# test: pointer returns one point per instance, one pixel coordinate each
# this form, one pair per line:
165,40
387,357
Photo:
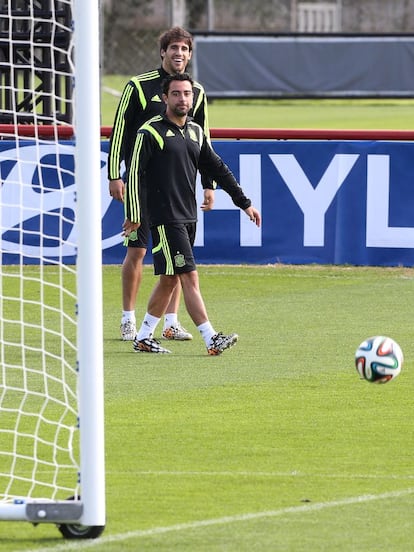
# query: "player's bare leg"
173,330
216,342
131,281
159,300
192,297
161,295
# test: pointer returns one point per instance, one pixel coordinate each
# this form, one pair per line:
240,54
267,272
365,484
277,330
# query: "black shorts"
172,252
140,237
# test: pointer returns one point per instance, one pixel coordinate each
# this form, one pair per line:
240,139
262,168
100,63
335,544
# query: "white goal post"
51,317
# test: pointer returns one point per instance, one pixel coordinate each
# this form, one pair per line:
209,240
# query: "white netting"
39,447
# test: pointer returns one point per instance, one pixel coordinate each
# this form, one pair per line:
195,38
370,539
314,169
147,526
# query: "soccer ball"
379,359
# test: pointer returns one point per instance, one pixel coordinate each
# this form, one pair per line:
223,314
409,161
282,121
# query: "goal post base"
42,511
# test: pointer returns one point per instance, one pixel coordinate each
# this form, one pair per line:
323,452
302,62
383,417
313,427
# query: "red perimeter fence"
64,132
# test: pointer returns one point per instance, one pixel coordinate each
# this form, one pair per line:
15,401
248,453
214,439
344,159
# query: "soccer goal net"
51,382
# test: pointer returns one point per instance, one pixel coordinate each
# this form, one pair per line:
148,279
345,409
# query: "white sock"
128,315
207,331
148,326
170,319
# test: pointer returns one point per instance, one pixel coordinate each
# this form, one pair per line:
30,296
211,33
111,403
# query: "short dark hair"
175,34
175,77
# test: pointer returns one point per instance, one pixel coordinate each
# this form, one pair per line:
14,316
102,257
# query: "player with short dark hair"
170,149
141,100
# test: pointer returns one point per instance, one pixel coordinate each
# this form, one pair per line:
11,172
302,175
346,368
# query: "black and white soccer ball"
379,359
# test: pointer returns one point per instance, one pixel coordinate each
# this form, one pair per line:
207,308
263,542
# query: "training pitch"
275,445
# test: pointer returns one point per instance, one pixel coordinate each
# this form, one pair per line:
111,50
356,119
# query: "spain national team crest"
179,260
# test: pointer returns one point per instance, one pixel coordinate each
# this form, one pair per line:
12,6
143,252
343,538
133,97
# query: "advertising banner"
326,202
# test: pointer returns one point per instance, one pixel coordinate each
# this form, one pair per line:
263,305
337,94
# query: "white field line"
112,91
235,474
226,520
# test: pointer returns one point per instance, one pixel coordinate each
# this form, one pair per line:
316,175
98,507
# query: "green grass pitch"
276,445
352,113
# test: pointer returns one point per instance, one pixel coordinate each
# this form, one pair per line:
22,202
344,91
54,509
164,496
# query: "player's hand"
117,189
253,215
128,227
208,201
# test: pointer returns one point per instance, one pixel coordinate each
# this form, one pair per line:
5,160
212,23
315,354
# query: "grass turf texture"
288,113
279,429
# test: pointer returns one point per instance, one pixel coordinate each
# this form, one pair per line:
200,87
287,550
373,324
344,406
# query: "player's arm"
253,215
200,116
143,150
212,165
116,142
117,189
200,109
208,200
132,206
128,109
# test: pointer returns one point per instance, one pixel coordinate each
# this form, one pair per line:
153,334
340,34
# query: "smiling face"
176,57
